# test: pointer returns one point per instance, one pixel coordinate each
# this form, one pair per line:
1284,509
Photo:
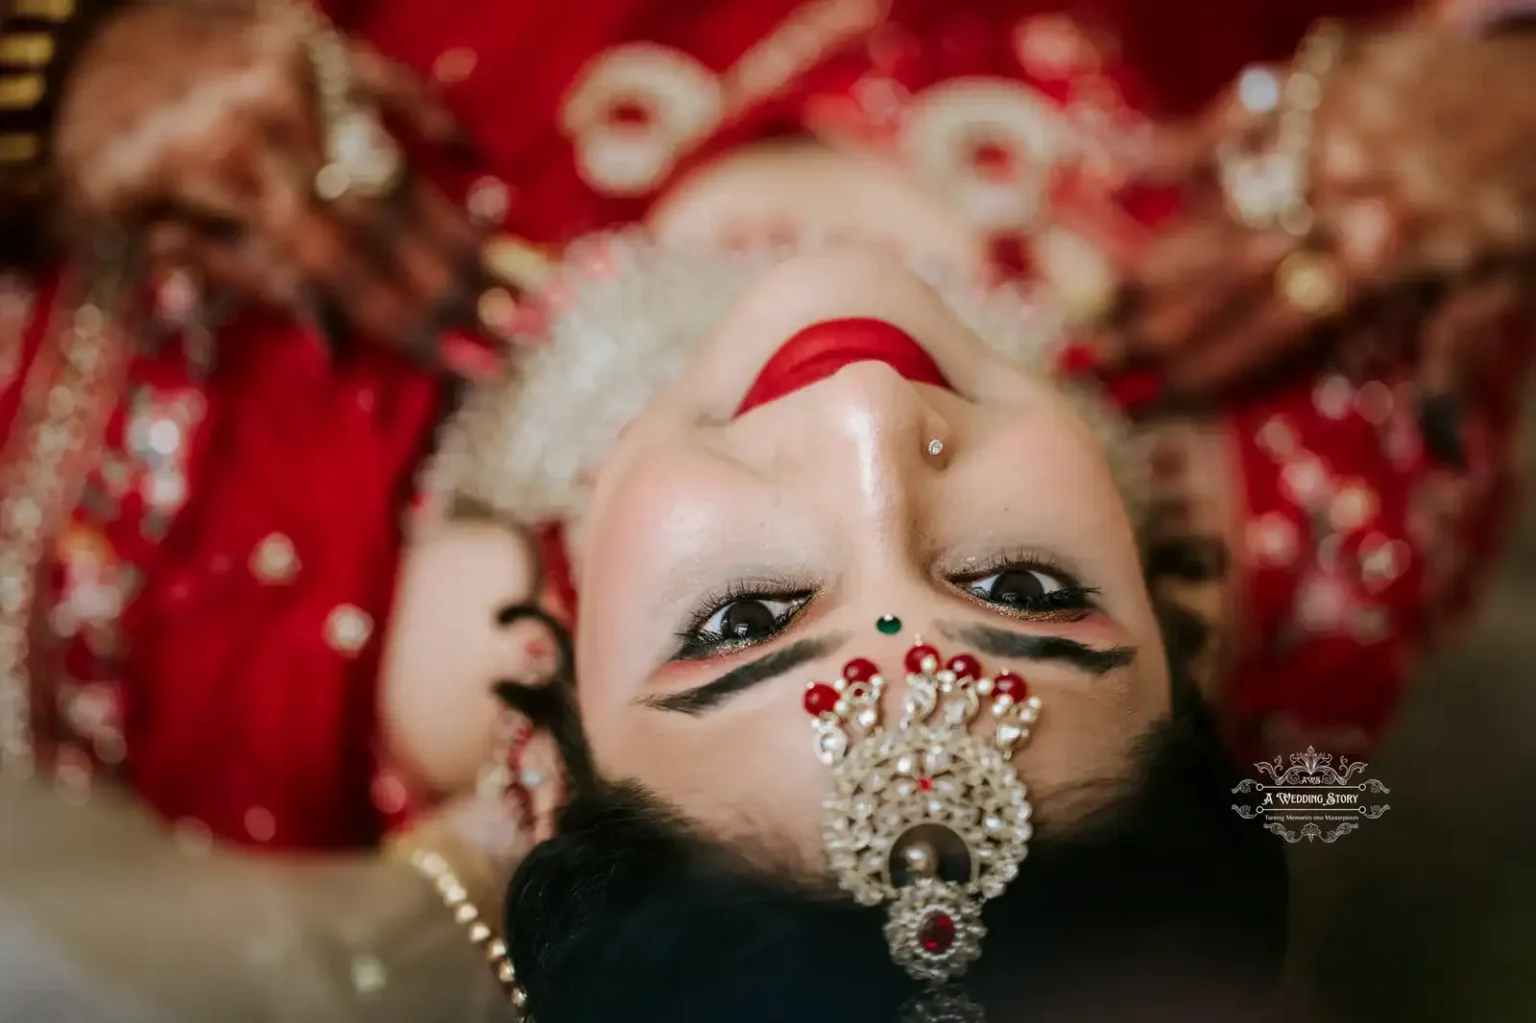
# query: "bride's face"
729,558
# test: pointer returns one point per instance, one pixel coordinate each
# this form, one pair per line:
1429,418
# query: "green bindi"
889,625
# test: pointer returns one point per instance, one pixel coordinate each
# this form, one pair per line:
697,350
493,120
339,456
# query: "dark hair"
1162,904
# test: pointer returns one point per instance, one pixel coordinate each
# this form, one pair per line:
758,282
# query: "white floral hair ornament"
624,315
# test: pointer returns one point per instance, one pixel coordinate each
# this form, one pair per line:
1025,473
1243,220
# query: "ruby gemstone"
917,655
937,933
860,669
820,698
965,666
925,784
1011,685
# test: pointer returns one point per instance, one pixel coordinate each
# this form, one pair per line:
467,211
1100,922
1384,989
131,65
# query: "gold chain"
455,895
1300,101
360,156
1273,189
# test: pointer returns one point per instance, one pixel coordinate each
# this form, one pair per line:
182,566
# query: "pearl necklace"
436,868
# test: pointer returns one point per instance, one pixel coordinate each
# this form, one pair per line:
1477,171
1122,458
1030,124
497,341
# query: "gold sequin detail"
48,10
274,560
516,262
26,49
16,147
348,629
497,310
21,92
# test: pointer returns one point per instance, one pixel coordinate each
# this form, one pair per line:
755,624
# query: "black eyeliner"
998,642
743,677
1068,600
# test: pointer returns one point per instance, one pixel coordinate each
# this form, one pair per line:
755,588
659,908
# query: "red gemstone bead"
965,666
925,784
1011,685
937,933
820,698
860,669
917,655
1079,359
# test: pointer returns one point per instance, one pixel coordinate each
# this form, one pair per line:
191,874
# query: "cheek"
648,499
1086,739
644,520
1060,489
744,770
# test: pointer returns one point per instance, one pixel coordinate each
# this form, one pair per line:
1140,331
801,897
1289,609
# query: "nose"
862,440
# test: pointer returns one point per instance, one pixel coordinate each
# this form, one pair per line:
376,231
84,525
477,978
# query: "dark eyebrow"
997,642
743,677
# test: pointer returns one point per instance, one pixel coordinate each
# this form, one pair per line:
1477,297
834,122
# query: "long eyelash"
1070,603
740,589
1027,558
693,644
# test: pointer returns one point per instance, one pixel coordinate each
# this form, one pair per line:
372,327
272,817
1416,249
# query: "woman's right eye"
750,618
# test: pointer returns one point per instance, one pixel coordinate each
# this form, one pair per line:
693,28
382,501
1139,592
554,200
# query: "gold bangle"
45,10
26,49
39,40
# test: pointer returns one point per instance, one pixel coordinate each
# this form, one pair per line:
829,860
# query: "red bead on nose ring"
922,658
964,666
851,702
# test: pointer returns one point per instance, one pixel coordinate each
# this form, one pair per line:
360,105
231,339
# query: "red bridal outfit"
215,602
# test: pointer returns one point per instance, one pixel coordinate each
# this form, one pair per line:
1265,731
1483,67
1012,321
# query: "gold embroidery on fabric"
58,428
636,110
990,144
806,38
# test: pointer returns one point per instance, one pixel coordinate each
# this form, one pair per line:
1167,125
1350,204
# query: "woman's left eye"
741,622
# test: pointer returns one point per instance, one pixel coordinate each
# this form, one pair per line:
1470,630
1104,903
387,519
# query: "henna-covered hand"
194,125
1424,188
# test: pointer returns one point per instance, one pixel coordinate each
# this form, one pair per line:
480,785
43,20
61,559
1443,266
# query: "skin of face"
829,501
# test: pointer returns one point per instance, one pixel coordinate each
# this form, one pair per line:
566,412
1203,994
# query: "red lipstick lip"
822,349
